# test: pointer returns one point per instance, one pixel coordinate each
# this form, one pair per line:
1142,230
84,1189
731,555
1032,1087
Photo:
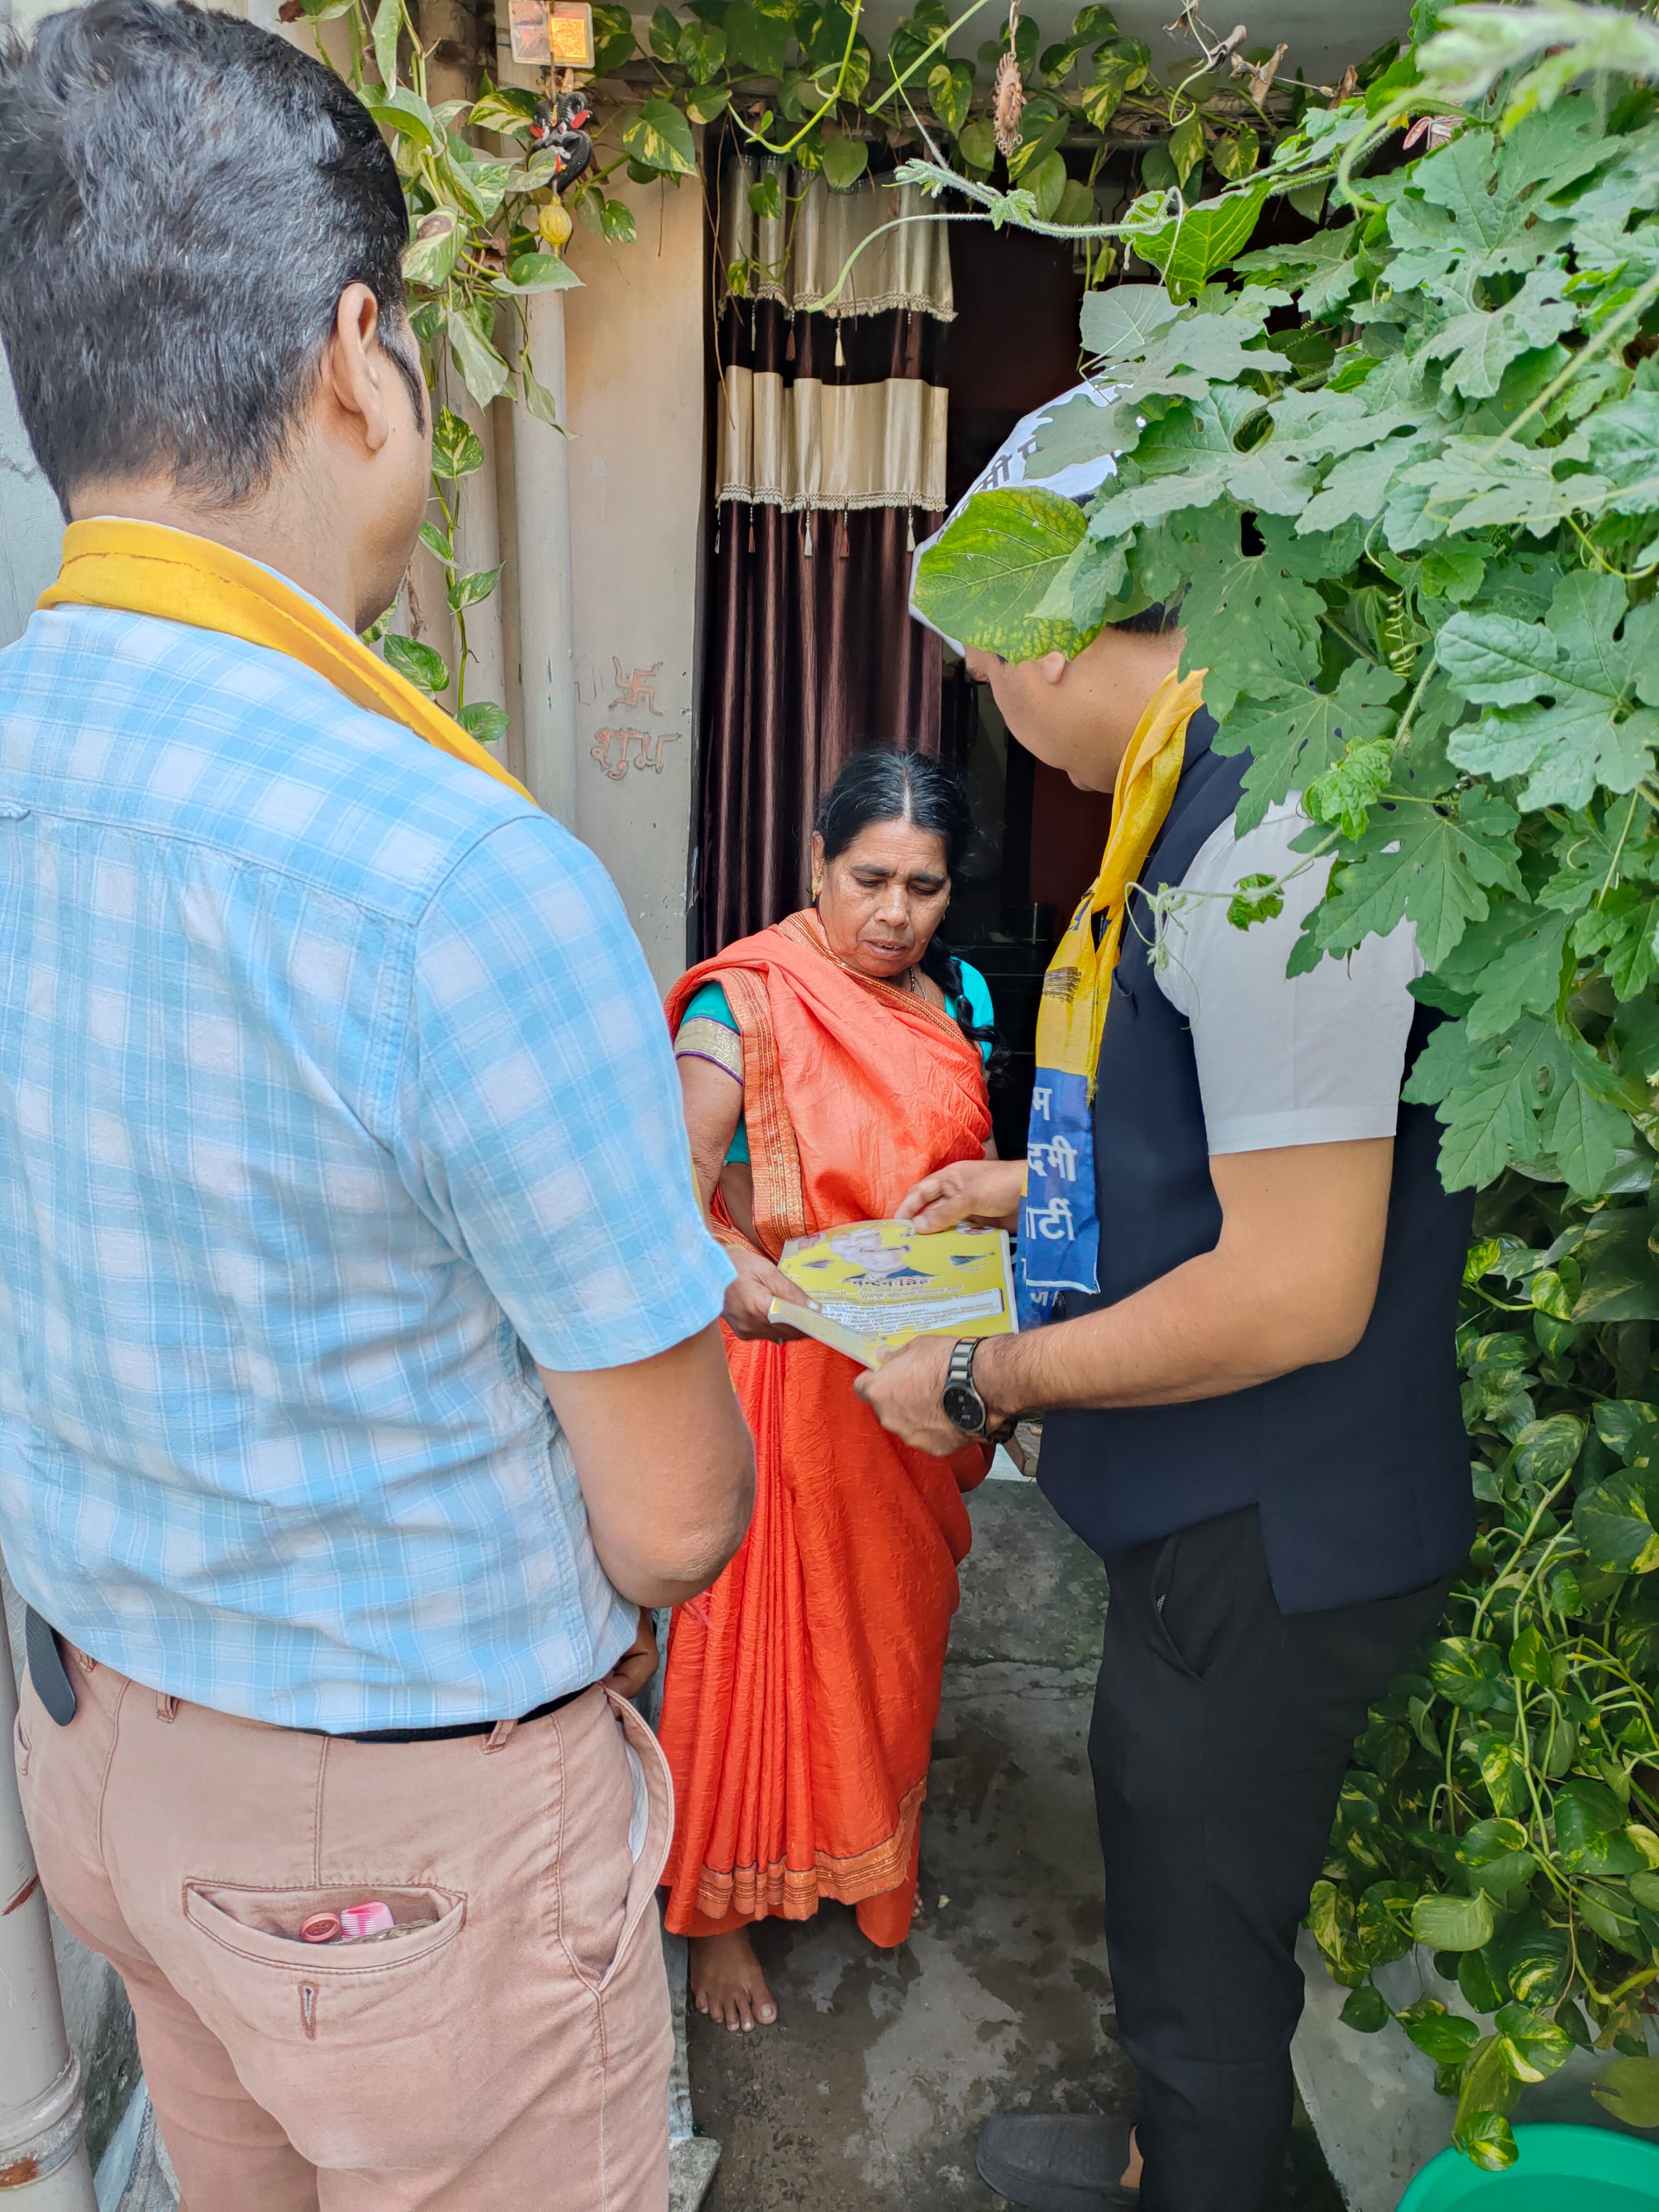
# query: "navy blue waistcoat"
1360,1467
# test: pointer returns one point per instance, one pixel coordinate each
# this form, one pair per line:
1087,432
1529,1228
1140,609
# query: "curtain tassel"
909,529
806,536
751,529
789,344
843,543
720,517
841,357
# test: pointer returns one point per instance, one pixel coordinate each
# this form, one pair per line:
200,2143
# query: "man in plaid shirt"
359,1375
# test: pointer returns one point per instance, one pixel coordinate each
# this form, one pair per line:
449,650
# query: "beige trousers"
506,2050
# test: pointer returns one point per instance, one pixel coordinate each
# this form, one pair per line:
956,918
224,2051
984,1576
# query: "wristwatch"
963,1405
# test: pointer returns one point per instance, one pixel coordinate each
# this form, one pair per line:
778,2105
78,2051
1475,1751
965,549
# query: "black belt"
444,1734
56,1691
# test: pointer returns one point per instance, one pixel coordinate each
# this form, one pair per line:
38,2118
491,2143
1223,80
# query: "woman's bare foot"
727,1983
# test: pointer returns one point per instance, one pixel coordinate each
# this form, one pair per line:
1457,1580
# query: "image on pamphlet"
874,1285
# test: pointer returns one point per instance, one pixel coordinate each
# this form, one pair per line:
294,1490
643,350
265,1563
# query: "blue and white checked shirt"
333,1092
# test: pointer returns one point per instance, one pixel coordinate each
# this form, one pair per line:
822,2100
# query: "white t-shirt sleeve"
1303,1060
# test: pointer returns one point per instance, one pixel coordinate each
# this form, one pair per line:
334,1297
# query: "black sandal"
1057,2162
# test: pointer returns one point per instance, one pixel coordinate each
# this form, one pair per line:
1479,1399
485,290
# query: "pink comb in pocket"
356,1921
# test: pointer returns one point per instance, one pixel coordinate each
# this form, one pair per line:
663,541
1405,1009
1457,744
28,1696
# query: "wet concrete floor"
868,2095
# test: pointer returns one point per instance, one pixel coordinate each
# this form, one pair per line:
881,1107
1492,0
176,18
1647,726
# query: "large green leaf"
845,160
1252,622
469,590
1534,2045
1446,2037
1621,1273
1616,1521
387,29
482,720
1119,322
537,273
424,664
405,112
1491,1096
1453,1923
1418,863
613,44
660,138
982,579
457,449
1301,734
1564,692
757,39
1187,248
1467,1671
1478,345
949,90
1622,444
1629,2088
1590,1824
483,372
508,109
434,251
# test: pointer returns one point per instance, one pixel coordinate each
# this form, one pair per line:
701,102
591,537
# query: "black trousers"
1222,1729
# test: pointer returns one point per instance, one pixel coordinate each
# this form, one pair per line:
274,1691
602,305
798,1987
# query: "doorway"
1037,839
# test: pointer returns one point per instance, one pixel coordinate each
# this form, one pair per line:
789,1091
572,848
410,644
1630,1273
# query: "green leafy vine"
1404,479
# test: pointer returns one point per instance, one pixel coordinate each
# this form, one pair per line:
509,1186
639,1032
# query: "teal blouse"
710,1002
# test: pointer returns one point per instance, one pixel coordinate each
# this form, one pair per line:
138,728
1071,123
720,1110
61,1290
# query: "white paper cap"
1049,449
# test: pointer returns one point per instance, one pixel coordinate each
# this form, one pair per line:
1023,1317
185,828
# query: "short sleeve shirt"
334,1094
1314,1059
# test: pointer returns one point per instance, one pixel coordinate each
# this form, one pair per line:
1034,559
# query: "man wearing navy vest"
1253,1419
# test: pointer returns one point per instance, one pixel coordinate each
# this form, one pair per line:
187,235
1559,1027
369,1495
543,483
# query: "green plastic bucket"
1558,2170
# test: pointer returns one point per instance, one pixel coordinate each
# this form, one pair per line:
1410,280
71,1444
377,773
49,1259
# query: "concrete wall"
635,371
31,528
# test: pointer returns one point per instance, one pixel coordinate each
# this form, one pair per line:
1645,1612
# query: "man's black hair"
1155,621
183,199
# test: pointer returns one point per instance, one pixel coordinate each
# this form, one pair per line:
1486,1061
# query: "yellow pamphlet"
874,1285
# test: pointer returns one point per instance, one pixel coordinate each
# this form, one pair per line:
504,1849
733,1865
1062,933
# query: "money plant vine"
1403,477
799,83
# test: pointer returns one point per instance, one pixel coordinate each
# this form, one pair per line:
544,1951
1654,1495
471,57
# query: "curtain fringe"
758,495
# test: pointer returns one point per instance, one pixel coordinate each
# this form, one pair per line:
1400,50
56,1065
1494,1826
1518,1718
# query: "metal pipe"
43,2115
541,506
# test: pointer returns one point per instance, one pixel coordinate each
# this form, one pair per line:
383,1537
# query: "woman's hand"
747,1312
986,1194
637,1664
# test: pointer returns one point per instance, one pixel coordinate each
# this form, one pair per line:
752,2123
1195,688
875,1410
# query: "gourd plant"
1404,479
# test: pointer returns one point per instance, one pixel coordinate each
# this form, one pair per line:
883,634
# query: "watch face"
963,1406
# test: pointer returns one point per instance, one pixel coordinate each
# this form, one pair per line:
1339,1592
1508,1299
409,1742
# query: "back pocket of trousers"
258,1964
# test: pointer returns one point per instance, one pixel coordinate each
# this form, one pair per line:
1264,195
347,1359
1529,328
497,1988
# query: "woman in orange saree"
802,1690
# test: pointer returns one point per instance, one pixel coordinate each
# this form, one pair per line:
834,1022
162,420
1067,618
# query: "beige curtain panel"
797,256
807,444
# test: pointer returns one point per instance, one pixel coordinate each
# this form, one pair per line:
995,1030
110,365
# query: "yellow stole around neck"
1072,1013
146,569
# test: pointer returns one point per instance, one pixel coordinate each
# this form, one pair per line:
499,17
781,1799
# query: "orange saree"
801,1691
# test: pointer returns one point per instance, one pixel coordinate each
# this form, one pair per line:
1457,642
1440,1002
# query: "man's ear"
1053,666
357,373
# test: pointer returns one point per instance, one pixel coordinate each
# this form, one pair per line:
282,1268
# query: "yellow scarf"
1071,1016
146,569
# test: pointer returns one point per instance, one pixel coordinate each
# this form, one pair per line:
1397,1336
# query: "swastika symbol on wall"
638,689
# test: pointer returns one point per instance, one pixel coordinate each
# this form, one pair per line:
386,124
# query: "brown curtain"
810,651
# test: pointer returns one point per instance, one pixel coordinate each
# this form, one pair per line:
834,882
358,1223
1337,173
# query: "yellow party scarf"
1059,1235
147,568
